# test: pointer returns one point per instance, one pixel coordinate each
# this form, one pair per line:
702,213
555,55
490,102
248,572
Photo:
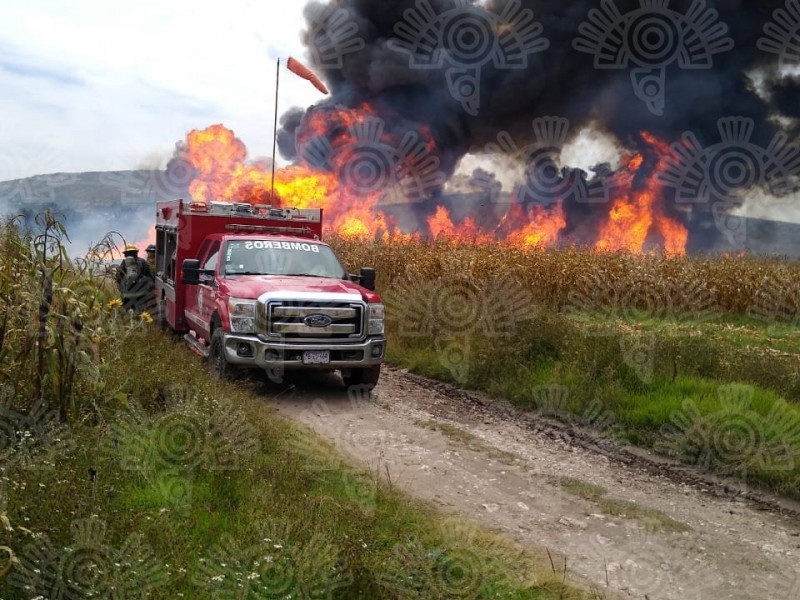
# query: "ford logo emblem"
317,320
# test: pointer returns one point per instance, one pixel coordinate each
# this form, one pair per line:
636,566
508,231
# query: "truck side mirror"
191,272
367,278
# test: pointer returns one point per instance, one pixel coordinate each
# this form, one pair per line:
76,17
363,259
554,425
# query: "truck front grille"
314,320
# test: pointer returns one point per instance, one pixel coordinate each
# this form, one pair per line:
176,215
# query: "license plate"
316,357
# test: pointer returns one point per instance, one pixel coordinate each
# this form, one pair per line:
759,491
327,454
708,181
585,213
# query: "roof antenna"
275,130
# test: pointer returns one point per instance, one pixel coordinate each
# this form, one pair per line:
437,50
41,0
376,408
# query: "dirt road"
548,487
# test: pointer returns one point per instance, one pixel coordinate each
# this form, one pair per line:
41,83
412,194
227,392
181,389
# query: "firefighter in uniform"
151,257
135,282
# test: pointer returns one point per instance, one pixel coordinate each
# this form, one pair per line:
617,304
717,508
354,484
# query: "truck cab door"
207,289
197,295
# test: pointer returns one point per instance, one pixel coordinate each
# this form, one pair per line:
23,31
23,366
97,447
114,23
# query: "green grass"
582,489
649,518
647,349
192,488
469,440
718,396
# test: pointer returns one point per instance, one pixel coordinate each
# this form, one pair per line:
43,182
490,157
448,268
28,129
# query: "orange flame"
539,227
637,212
635,222
442,227
223,174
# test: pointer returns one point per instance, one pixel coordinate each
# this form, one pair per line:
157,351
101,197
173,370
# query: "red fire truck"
254,286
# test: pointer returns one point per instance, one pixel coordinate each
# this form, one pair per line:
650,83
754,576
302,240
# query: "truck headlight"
243,315
375,319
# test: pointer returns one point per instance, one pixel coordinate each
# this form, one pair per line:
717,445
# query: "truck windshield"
275,257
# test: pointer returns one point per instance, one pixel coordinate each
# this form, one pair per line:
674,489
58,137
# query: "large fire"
637,209
326,177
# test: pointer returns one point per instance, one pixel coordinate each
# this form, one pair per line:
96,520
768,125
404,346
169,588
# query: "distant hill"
92,204
80,191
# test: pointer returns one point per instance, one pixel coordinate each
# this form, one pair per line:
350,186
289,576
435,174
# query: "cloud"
26,70
91,85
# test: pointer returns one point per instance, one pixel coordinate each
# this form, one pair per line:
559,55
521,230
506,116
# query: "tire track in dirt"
499,467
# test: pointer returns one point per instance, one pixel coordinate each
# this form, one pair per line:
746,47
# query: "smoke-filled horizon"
558,80
470,71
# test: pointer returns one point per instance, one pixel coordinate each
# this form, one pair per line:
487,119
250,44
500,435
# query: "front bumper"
267,354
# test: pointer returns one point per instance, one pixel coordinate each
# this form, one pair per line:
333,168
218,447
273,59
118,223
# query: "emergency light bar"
268,228
264,211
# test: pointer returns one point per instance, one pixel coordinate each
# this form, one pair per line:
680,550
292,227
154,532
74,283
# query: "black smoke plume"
560,80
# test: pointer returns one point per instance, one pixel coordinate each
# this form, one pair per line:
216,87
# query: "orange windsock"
298,68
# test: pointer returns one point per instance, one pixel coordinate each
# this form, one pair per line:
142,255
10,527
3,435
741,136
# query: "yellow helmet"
131,248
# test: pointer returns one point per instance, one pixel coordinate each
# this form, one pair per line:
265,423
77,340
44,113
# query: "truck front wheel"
217,362
367,377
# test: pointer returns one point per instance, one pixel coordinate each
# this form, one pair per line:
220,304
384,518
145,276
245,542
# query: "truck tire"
217,363
366,377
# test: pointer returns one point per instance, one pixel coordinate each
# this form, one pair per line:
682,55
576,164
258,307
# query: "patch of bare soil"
625,520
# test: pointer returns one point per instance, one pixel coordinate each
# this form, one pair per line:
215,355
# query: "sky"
92,85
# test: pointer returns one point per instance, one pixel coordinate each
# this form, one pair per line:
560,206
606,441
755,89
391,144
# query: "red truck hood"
253,286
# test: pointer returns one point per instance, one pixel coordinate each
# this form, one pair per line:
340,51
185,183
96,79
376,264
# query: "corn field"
763,288
60,323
